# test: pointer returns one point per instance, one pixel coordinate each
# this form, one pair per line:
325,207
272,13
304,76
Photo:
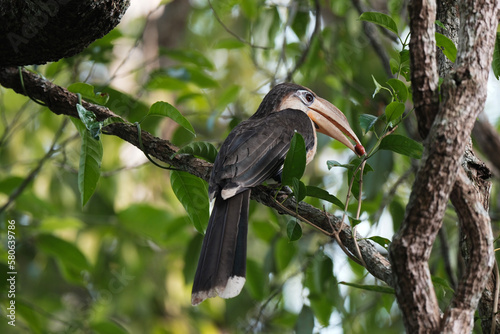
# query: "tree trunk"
448,120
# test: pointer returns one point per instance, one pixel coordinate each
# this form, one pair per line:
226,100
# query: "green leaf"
293,230
256,284
400,89
394,111
87,93
322,308
230,95
384,242
353,221
192,252
305,321
60,223
378,86
283,253
299,189
192,192
404,56
381,19
441,282
229,44
375,288
447,46
402,145
394,65
324,195
295,161
188,56
496,58
200,149
89,170
105,327
250,8
66,252
367,122
155,221
440,24
166,109
88,118
112,120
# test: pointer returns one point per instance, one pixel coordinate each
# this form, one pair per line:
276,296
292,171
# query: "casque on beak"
332,122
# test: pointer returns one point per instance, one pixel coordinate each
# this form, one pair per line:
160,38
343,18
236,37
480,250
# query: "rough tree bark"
450,121
35,32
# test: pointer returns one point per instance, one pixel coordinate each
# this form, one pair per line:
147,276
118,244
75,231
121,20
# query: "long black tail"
222,265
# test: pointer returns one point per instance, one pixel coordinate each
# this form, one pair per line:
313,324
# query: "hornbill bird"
254,152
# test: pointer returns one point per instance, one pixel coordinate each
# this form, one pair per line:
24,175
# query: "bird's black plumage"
254,152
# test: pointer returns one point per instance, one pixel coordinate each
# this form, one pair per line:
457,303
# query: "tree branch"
62,102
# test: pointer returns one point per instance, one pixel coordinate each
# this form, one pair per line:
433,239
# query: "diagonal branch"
62,102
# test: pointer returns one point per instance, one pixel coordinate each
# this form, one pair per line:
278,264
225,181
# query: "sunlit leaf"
447,46
295,161
402,145
200,149
381,19
168,110
192,192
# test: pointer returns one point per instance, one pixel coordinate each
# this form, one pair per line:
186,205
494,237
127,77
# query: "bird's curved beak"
330,121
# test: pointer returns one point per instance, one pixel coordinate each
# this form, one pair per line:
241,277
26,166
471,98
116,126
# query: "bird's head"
327,118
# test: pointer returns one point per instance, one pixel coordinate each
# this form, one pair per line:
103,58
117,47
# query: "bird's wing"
256,149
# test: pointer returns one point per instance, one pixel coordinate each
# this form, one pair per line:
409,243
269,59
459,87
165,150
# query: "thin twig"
305,53
335,234
31,176
233,33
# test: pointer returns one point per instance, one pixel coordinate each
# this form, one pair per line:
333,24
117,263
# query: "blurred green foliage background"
124,262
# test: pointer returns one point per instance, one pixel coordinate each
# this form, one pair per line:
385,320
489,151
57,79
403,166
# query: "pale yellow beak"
332,122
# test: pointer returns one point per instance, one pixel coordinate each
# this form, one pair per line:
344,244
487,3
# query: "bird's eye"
309,97
306,97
